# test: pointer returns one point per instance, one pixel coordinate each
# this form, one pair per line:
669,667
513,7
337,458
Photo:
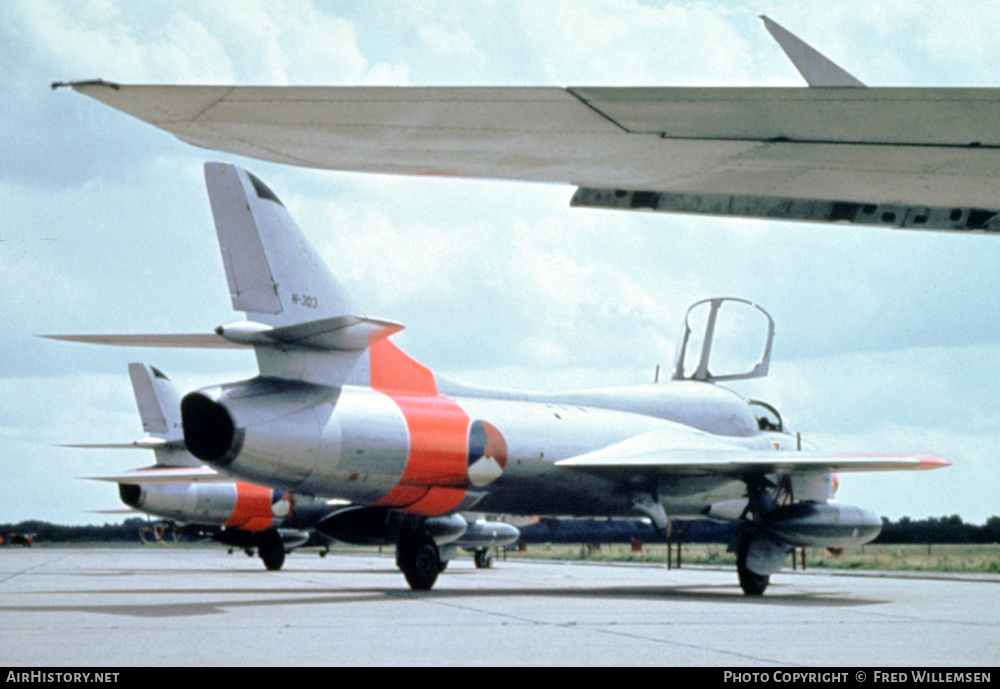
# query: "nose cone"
209,431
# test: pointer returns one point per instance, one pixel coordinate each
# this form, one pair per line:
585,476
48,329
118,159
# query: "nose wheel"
482,558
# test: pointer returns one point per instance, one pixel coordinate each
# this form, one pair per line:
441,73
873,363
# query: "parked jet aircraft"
178,487
338,411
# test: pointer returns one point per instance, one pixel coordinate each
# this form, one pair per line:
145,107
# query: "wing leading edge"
900,157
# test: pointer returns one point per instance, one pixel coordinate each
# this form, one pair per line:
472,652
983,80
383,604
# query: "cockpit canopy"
724,338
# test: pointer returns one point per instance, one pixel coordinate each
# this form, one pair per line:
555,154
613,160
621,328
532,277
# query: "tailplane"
158,401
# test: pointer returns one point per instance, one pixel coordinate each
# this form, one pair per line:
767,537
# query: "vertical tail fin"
304,326
159,404
274,274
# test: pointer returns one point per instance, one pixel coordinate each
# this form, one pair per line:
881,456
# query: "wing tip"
923,460
932,462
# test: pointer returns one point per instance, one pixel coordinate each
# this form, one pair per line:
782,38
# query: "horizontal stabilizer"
340,333
161,475
141,444
350,333
194,341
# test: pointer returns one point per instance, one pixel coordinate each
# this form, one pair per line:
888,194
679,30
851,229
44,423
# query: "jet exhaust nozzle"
130,494
210,433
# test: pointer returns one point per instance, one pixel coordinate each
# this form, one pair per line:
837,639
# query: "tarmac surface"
162,606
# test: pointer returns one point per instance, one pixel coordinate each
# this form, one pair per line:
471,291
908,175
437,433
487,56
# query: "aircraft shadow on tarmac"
230,599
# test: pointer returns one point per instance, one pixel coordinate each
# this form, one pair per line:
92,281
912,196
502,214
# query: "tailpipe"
210,433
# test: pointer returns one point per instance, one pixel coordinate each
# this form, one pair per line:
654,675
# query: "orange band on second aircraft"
253,508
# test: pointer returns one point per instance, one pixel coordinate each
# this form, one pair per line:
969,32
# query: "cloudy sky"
886,340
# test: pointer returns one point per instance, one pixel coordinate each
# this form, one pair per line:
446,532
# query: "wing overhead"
667,453
926,158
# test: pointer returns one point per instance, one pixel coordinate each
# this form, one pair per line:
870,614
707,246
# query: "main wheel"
418,556
753,584
272,553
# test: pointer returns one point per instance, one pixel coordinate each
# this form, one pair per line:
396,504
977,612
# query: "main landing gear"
417,555
753,584
758,552
271,551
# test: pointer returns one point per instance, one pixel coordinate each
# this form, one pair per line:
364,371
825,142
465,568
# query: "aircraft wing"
658,453
925,158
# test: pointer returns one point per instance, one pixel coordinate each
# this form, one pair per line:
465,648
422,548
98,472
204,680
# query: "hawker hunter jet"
338,411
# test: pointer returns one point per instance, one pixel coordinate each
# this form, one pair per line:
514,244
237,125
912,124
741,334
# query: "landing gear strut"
760,502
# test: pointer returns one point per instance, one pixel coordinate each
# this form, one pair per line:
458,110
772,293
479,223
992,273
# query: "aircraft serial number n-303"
338,411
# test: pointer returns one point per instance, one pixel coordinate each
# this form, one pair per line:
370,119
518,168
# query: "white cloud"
453,44
626,42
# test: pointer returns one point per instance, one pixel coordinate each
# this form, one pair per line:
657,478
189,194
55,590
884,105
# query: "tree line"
939,530
949,529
